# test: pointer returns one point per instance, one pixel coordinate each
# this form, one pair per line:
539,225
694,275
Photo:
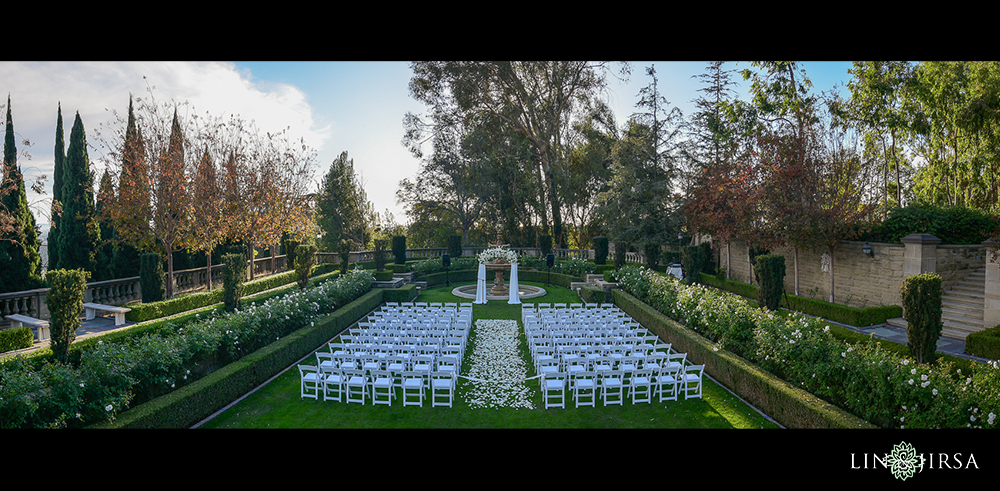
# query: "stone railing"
123,290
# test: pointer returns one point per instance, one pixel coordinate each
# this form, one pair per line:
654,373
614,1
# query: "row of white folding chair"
422,361
403,349
615,386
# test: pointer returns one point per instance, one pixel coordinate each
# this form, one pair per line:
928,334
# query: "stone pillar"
991,311
920,254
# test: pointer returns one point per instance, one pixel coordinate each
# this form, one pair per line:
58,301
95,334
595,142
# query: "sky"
336,106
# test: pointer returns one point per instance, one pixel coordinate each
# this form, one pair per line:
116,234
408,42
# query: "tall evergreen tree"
133,190
54,241
19,242
80,230
105,253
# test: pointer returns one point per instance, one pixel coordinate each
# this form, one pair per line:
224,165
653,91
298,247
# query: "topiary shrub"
455,246
693,259
771,271
344,252
399,248
233,272
922,310
545,244
600,250
151,278
305,259
620,249
65,302
652,250
380,253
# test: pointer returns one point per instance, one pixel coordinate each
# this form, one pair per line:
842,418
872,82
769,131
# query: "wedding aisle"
497,373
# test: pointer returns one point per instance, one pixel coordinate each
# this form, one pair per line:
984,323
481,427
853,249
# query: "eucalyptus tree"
955,110
876,109
536,99
448,186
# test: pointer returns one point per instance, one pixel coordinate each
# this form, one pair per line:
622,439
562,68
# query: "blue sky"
357,106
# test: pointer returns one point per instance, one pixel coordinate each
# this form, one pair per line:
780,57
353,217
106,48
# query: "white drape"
515,297
481,285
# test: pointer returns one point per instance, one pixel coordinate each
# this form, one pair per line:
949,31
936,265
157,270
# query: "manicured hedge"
14,339
406,293
843,314
592,294
146,311
193,403
985,343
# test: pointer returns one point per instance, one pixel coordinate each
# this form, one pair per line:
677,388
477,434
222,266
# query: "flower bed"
497,371
112,377
866,380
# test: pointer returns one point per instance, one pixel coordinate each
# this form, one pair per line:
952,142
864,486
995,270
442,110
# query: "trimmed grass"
278,405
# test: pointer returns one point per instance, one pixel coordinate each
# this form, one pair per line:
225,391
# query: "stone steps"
962,307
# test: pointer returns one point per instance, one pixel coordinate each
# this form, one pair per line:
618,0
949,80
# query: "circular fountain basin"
523,291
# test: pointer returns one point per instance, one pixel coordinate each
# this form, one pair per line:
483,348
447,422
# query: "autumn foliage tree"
169,198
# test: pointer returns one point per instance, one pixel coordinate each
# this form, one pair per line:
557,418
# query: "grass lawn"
278,405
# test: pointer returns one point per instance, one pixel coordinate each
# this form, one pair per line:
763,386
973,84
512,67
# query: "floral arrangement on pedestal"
499,252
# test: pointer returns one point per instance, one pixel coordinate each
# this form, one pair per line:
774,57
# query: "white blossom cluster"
497,372
489,255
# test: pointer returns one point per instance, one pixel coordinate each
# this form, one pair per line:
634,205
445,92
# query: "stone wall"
955,262
862,280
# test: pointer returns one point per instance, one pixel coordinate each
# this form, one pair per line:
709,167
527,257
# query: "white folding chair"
310,382
554,389
442,388
666,383
585,389
333,384
356,383
641,385
691,381
413,386
612,383
383,390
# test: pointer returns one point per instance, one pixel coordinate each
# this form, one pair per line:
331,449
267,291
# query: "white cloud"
93,89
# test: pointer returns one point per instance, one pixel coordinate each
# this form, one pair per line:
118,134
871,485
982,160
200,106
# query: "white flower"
906,361
934,391
911,381
109,407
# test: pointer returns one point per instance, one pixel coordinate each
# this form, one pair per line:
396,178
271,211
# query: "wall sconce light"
867,249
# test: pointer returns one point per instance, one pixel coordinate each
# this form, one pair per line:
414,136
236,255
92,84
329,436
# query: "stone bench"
92,308
17,320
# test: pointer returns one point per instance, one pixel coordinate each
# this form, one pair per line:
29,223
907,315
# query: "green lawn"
278,405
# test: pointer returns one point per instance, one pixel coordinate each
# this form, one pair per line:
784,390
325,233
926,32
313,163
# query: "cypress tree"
105,254
133,192
80,231
19,244
52,249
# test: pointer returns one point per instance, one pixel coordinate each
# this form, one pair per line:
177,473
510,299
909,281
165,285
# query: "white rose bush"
864,379
111,376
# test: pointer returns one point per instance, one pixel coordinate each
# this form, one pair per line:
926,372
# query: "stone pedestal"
920,254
